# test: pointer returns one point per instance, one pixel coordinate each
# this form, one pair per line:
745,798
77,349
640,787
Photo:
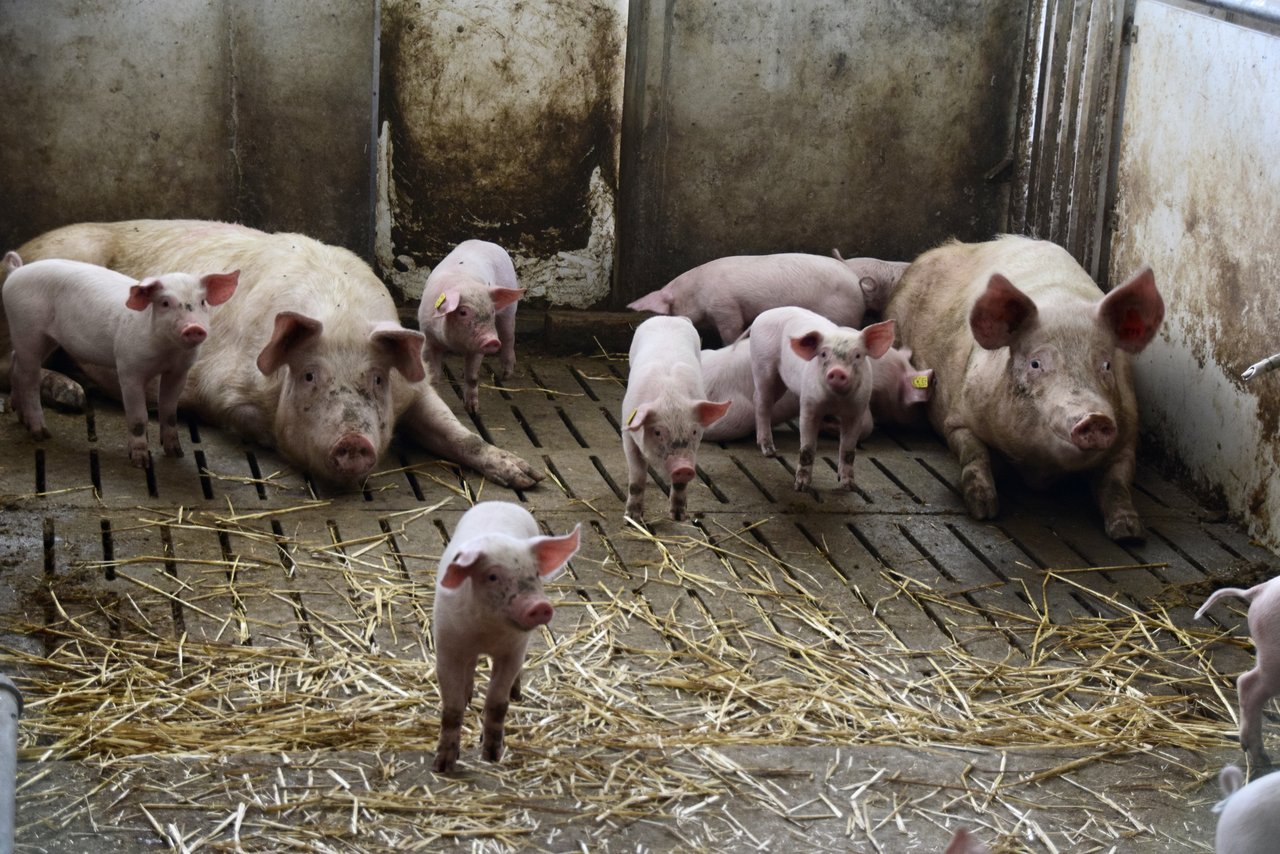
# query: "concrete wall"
220,109
502,123
879,127
1199,200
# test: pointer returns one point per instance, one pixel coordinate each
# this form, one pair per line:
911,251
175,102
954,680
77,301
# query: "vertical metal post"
10,711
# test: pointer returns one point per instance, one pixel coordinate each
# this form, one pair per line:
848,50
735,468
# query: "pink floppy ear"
460,568
445,303
1001,314
291,330
637,417
218,287
552,553
141,294
709,413
879,338
403,346
806,346
503,297
1133,311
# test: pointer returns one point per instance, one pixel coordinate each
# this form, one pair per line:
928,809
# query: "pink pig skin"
876,278
1032,362
895,396
310,356
962,842
469,307
665,410
827,367
1260,684
55,388
729,293
1248,816
488,599
138,330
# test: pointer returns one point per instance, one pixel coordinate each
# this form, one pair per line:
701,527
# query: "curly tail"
1236,592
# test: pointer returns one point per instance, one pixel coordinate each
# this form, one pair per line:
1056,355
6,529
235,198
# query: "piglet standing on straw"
488,599
1261,683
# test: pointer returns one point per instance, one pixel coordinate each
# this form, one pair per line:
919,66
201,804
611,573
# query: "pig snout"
193,334
537,613
838,379
352,456
680,470
490,344
1093,432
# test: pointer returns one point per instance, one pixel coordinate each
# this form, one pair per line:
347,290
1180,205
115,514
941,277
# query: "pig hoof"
1126,527
141,460
175,451
444,763
769,450
982,502
491,750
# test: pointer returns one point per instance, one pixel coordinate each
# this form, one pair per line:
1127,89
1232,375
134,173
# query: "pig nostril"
194,334
539,615
353,454
682,474
1093,432
492,345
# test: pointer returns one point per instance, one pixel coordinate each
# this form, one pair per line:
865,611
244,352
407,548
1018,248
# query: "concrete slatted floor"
841,671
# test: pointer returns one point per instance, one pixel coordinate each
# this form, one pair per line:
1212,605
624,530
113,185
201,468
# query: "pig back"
490,517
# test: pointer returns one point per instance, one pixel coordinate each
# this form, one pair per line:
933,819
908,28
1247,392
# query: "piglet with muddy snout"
139,330
489,599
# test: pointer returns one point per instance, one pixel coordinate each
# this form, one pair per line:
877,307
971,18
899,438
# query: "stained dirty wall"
879,127
1198,191
222,109
502,123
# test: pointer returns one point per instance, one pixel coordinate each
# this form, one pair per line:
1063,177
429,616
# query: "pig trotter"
976,481
450,738
491,741
1111,489
516,694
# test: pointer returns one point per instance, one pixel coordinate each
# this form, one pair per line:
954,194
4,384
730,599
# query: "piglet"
469,307
139,330
898,392
1261,683
828,368
665,409
962,842
729,293
488,599
1248,815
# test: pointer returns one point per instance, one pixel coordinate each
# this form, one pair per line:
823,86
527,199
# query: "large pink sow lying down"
1031,363
138,330
488,599
310,356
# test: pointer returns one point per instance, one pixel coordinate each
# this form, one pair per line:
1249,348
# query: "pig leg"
471,381
1111,488
679,501
170,389
24,380
850,435
769,388
976,481
810,421
456,673
505,323
133,393
635,477
506,670
433,356
430,423
1255,688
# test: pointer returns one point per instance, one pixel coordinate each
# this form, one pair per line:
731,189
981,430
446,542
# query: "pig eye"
493,577
1035,364
1106,366
309,377
164,303
463,312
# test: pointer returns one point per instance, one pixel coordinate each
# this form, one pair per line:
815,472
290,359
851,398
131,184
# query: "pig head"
1032,362
463,314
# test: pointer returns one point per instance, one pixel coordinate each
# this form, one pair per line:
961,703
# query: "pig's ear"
709,413
1001,314
218,287
403,347
552,553
806,346
460,568
12,261
503,297
638,416
445,303
292,329
141,294
879,338
1133,311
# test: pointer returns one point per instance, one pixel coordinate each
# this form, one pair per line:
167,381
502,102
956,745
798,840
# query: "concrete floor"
833,671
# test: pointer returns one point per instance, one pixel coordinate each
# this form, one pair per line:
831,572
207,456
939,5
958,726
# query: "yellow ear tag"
439,300
920,381
632,416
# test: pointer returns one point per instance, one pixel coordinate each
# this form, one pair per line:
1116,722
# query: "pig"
962,842
488,599
55,388
1248,815
1032,365
309,357
827,367
469,307
897,392
876,278
728,293
664,410
138,330
1260,684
